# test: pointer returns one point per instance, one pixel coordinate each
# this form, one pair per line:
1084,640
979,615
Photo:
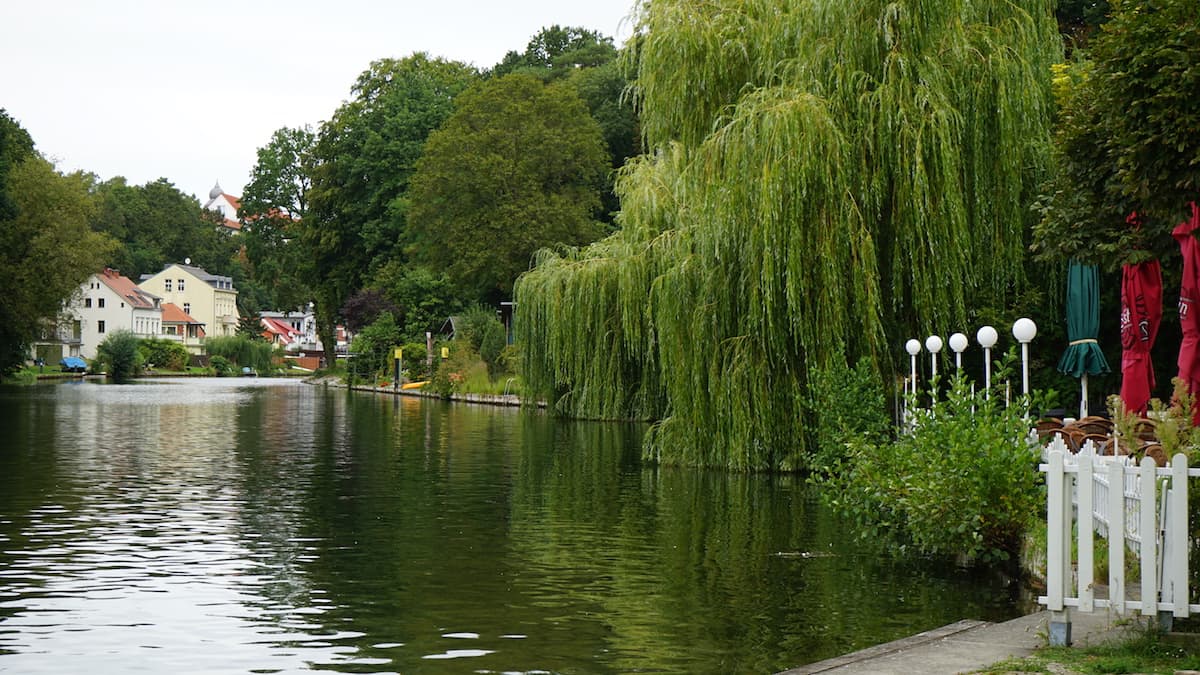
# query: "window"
87,302
122,305
167,283
181,285
99,326
100,302
187,308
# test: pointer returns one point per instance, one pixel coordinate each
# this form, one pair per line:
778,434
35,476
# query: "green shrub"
964,480
243,352
118,355
164,354
414,361
372,348
846,403
484,333
222,367
453,372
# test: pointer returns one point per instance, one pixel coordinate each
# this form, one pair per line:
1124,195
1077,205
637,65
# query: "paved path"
967,646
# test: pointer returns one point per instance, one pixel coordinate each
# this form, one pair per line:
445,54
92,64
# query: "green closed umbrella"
1083,356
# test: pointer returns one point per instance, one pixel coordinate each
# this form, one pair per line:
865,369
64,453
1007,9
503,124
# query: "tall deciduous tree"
824,179
156,224
273,206
518,167
362,163
46,249
557,51
1127,139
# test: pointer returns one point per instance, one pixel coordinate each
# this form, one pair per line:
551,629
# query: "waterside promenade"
968,646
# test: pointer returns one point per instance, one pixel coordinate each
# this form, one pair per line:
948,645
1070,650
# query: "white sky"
188,91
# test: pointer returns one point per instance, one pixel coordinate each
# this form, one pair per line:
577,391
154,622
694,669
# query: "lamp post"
934,344
987,337
913,347
958,343
1024,330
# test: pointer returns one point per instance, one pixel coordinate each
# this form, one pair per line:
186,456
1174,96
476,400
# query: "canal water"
264,526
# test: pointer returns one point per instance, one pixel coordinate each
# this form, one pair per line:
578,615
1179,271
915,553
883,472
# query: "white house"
225,204
108,302
210,298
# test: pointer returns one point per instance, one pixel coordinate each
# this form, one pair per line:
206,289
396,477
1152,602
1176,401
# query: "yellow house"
210,298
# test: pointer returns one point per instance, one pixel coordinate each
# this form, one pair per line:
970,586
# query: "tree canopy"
822,180
1127,138
517,167
46,248
155,225
273,207
363,160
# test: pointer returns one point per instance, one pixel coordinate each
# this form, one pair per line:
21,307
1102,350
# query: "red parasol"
1141,313
1189,295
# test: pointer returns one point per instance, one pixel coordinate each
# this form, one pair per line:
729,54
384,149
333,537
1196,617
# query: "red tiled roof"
124,287
173,314
276,327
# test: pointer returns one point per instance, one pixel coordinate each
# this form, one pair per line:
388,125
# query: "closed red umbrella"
1189,310
1141,313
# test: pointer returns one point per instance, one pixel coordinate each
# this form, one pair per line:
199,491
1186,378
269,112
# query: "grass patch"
1146,652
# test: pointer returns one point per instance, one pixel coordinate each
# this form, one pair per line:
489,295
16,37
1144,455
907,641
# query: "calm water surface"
265,526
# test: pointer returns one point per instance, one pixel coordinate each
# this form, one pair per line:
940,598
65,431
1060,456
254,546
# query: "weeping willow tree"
824,178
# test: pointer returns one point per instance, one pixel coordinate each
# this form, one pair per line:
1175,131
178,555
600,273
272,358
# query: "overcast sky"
188,91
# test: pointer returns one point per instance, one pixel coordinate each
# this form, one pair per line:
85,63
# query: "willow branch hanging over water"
825,179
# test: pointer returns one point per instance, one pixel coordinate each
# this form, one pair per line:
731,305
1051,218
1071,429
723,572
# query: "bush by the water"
963,480
242,351
118,355
847,403
164,354
222,366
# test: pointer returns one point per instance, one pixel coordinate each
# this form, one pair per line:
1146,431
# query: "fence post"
1175,576
1149,531
1116,536
1087,568
1056,548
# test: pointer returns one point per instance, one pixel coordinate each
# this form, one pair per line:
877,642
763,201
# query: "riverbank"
510,400
969,646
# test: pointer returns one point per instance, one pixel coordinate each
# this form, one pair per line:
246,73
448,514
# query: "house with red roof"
179,326
107,302
226,205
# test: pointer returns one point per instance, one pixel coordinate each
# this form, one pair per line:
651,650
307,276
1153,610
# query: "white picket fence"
1146,515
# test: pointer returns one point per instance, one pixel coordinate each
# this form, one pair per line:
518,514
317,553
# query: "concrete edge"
888,647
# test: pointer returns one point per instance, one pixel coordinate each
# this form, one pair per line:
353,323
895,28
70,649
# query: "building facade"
210,298
108,302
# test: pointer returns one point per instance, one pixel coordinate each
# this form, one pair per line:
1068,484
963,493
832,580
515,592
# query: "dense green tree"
1127,138
518,167
822,181
157,225
557,51
272,206
424,299
362,163
589,62
118,355
46,249
15,146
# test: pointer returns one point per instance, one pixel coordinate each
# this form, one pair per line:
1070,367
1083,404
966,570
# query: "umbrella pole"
1083,407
